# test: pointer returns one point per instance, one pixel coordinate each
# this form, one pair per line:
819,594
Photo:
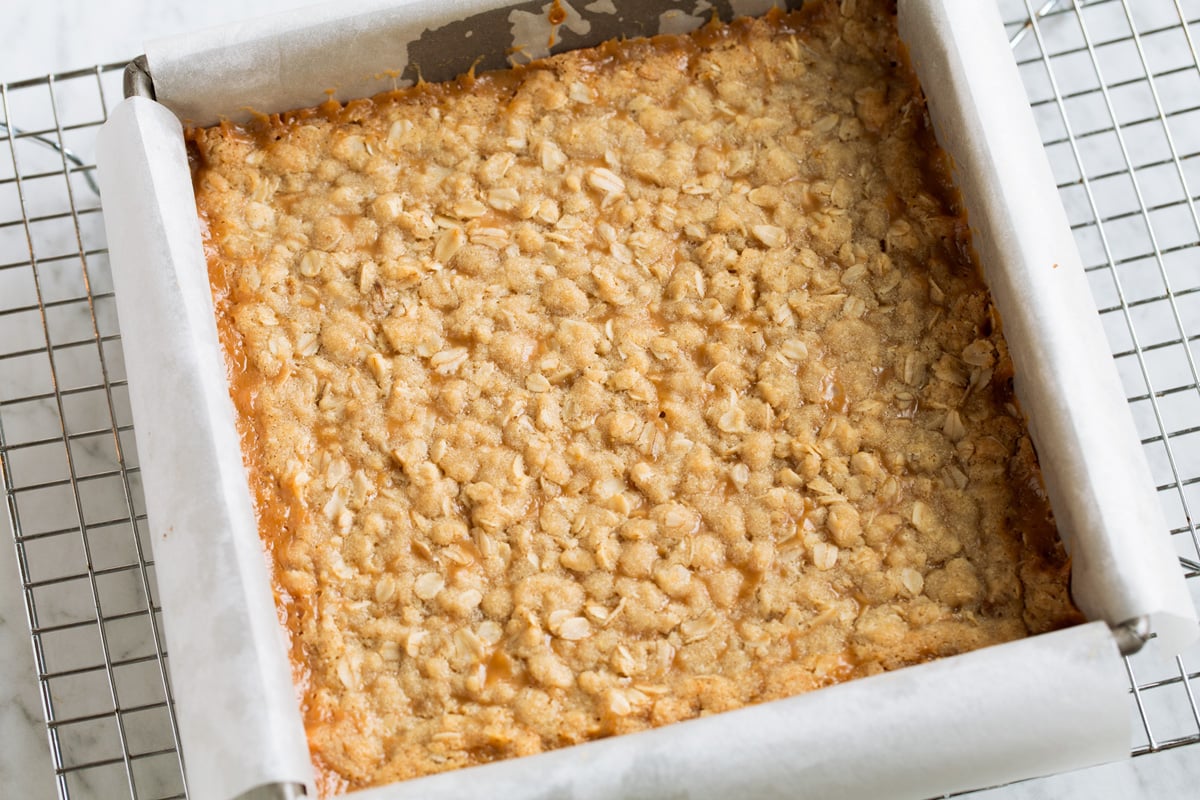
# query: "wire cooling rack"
1114,85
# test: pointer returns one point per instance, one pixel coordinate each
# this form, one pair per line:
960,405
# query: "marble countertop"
38,37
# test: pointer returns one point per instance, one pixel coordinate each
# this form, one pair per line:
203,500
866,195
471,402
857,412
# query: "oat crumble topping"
640,384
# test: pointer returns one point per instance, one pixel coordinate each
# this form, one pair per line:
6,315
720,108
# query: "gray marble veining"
24,749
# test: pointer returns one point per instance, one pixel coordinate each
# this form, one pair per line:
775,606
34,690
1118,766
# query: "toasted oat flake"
448,244
380,367
765,196
694,630
575,628
552,156
490,632
606,181
446,362
469,209
770,235
618,703
795,349
503,199
953,427
428,585
495,238
412,645
914,581
824,555
385,589
632,384
310,264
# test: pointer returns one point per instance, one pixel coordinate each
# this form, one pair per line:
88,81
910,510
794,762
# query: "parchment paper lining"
1050,703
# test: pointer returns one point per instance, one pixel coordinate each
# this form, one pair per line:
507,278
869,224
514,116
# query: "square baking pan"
964,722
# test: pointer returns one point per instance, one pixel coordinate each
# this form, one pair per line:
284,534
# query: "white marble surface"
41,36
24,755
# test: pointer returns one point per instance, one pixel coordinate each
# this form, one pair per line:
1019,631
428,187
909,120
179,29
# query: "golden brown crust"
645,383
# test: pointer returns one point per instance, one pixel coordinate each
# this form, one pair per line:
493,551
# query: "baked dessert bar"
638,384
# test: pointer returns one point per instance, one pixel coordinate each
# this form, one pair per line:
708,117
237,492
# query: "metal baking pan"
959,723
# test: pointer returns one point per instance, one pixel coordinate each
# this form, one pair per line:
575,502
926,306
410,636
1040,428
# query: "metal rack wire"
68,462
1115,87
